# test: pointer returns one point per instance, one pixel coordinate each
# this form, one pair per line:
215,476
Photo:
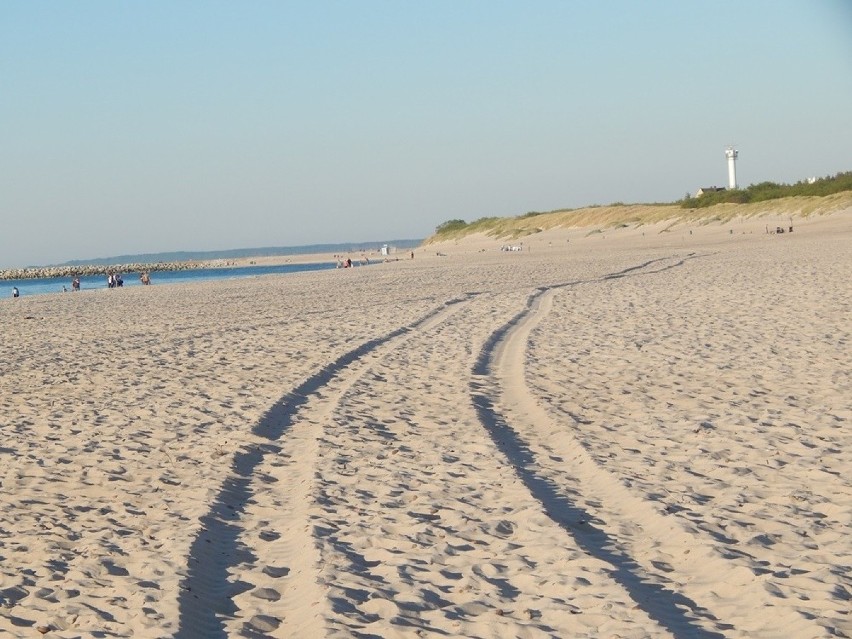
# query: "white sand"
630,433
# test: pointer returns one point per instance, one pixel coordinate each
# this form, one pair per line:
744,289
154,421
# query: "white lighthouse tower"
731,153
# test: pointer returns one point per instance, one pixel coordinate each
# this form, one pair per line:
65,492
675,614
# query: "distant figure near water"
15,292
145,278
75,284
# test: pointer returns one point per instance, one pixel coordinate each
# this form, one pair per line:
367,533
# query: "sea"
48,285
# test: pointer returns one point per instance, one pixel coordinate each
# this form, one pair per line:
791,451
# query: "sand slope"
626,434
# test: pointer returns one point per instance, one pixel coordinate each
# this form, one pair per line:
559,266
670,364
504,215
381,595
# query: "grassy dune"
635,215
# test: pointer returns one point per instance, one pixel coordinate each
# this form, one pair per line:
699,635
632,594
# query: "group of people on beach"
114,280
347,262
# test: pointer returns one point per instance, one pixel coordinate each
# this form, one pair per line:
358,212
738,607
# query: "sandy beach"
633,432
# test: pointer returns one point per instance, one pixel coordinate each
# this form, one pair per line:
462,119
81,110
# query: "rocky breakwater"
40,272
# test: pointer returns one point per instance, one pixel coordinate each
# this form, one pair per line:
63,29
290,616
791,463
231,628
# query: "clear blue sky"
129,127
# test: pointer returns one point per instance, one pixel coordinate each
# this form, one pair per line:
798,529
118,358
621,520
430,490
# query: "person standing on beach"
15,292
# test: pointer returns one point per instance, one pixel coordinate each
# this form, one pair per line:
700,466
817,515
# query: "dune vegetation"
799,200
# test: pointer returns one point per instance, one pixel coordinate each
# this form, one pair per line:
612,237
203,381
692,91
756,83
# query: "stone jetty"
89,270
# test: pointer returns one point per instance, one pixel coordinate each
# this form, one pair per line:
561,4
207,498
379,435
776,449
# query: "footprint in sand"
504,528
263,623
267,594
384,608
275,571
269,535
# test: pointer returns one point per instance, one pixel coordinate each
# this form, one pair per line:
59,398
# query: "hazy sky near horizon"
133,127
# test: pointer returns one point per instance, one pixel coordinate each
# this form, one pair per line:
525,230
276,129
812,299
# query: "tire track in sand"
423,527
220,548
647,551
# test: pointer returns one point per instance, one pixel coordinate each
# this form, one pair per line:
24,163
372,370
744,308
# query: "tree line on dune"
760,192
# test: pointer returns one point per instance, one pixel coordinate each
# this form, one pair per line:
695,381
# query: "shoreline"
49,272
89,270
728,216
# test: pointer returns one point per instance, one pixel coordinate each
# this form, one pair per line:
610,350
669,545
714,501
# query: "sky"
139,127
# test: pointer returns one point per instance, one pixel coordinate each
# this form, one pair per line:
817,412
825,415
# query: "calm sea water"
55,284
